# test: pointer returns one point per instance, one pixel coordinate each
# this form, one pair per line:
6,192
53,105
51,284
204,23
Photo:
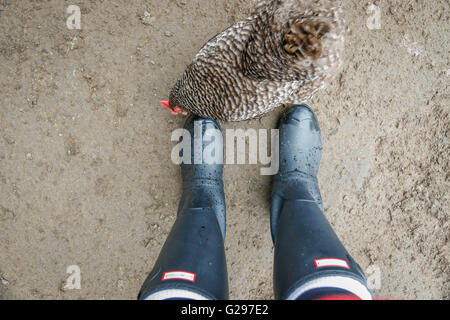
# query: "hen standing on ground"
281,54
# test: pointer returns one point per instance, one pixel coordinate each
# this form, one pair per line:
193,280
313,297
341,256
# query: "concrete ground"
85,171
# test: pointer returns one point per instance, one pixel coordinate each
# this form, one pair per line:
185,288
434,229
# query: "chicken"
282,54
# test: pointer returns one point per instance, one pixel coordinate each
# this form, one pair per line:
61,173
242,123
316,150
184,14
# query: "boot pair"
310,262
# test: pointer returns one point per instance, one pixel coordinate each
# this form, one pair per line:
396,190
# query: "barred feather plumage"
282,54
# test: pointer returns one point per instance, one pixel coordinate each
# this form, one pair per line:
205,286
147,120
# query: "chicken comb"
176,111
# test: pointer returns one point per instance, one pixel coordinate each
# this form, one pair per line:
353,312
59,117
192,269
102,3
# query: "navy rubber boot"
192,263
310,261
